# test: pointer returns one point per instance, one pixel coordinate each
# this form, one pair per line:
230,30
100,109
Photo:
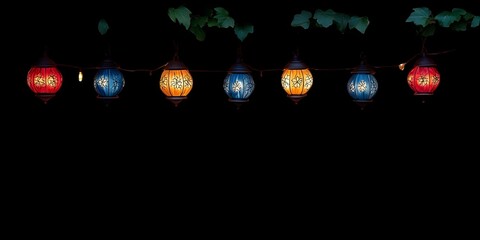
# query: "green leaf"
468,16
420,16
324,18
302,19
475,22
199,21
243,31
180,15
359,23
459,26
221,11
198,32
446,18
223,19
226,22
341,21
103,26
459,11
212,22
428,31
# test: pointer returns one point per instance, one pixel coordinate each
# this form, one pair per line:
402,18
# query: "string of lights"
44,79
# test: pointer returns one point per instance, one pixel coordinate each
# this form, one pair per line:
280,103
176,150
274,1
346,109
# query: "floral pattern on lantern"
109,81
238,84
44,79
424,77
296,79
176,82
362,85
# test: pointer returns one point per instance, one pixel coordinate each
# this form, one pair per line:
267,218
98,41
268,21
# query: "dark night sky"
325,149
142,36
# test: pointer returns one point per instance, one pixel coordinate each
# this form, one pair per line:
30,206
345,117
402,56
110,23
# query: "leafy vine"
457,20
217,17
325,19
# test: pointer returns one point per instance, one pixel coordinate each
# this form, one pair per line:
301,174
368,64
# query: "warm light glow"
401,66
44,79
176,83
297,81
80,76
424,78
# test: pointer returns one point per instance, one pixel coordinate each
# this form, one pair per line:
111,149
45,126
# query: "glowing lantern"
176,81
424,78
44,79
296,79
109,81
238,84
362,85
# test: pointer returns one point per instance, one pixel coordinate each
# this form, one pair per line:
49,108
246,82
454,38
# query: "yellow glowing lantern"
296,79
176,81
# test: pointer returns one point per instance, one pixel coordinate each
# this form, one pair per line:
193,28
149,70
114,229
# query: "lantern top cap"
108,63
296,63
363,67
239,67
175,64
45,61
425,61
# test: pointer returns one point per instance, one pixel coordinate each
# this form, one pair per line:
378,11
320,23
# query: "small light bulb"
401,66
80,76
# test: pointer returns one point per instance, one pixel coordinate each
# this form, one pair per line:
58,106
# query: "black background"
142,37
141,142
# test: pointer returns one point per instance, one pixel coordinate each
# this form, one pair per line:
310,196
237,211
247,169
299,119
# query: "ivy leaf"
468,16
459,26
180,15
223,19
359,23
324,18
459,11
428,31
475,21
420,16
103,26
212,22
226,23
302,19
198,32
341,21
446,18
242,31
199,21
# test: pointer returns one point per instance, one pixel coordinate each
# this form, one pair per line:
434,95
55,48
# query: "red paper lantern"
44,79
424,78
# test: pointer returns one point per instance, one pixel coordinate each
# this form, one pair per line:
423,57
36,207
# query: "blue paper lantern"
362,85
238,84
109,81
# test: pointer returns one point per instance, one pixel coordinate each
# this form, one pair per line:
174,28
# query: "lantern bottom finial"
238,102
423,96
176,99
362,103
107,100
44,97
296,98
